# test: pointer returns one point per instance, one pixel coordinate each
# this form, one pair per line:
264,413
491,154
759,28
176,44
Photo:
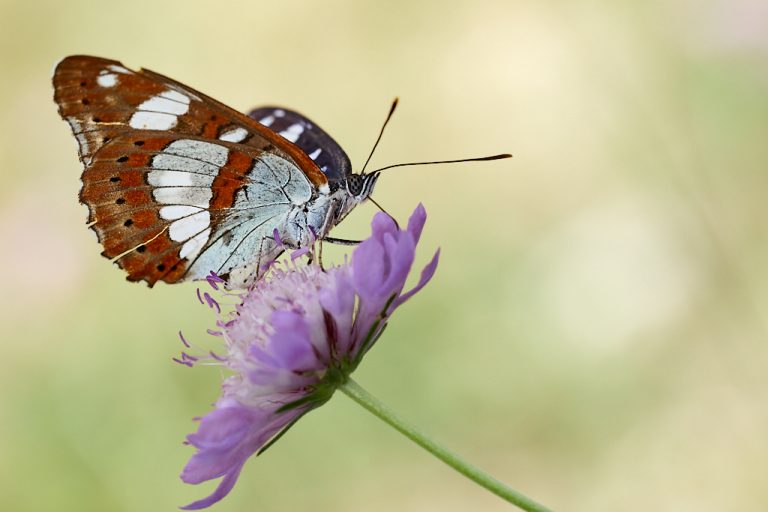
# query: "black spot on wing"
317,144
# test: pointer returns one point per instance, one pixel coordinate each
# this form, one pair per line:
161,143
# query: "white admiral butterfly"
178,185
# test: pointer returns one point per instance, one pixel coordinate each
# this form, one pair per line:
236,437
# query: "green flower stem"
353,390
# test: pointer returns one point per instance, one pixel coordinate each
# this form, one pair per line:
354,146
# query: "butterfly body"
178,185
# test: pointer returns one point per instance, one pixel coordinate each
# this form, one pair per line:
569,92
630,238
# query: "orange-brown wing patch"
230,180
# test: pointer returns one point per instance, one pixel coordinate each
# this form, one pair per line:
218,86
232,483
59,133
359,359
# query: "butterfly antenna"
480,159
385,211
389,116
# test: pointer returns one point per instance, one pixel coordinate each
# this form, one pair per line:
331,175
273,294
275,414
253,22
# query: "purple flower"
296,336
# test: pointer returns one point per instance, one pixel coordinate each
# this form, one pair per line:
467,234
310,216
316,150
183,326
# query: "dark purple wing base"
312,139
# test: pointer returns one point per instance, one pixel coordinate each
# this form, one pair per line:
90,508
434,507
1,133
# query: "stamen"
212,302
185,363
213,278
276,236
217,357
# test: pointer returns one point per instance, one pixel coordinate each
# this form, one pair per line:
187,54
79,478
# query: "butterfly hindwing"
176,207
313,140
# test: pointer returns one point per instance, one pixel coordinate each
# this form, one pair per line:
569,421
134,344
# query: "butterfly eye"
355,184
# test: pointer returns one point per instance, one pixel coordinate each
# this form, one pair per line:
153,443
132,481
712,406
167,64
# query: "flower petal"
224,487
222,441
368,267
225,439
291,343
416,222
380,267
339,302
382,224
426,276
400,253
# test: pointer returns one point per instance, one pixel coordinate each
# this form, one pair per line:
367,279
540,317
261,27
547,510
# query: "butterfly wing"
313,140
176,207
177,184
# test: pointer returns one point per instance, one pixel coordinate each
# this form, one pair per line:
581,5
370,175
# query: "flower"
295,337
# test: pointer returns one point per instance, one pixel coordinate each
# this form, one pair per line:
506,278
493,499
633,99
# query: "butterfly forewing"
101,97
176,183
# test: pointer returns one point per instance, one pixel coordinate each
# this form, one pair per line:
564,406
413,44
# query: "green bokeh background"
595,334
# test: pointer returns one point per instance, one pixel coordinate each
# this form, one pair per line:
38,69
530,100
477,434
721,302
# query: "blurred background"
596,331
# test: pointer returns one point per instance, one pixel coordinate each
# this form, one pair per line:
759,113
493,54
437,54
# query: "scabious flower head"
295,337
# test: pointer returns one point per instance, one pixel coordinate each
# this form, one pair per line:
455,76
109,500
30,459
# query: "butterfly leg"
341,241
313,249
262,269
320,254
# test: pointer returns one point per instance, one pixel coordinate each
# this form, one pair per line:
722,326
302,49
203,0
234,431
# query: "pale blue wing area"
242,244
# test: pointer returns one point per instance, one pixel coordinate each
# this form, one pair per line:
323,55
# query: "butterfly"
179,185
